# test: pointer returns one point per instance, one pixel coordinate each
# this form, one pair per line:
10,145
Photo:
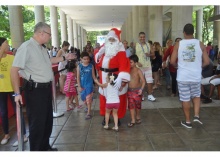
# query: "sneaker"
207,100
151,98
187,125
16,143
142,98
5,140
86,109
197,119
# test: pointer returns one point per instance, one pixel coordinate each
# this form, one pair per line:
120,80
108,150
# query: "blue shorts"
188,90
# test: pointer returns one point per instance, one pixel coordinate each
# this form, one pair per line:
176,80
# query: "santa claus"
112,58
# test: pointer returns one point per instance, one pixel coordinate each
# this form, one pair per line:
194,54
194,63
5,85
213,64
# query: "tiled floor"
160,129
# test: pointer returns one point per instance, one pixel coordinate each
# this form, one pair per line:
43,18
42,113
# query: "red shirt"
168,53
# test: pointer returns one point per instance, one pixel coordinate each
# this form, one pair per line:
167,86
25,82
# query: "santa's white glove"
117,83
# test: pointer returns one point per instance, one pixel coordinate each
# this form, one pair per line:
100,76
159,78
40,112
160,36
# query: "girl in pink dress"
69,87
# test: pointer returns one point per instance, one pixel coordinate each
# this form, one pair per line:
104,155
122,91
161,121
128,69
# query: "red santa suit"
117,63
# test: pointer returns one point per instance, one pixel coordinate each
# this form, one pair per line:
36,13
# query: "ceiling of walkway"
94,18
97,18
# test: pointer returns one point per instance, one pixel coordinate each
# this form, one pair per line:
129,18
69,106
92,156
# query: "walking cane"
20,131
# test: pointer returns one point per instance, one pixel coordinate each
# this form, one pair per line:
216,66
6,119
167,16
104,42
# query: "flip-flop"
89,116
69,109
138,121
131,124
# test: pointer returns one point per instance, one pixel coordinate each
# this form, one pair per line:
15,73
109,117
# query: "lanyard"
147,58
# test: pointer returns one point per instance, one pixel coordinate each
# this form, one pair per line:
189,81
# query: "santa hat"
115,33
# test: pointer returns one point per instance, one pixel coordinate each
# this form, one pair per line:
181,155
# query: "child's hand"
140,92
105,85
80,89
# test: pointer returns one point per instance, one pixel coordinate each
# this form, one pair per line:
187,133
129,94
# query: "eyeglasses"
47,33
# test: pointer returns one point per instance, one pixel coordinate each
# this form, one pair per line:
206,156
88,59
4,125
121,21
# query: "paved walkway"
160,129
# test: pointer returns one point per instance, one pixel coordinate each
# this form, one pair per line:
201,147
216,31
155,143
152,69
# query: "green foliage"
92,35
207,30
4,23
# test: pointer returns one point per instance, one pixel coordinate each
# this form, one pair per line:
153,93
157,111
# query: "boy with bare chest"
135,88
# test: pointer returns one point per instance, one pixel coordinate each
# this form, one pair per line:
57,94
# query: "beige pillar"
155,24
63,25
75,40
39,13
143,19
185,14
135,23
70,30
54,26
199,21
16,25
123,32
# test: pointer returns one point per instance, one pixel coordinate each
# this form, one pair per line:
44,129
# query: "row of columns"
70,30
150,20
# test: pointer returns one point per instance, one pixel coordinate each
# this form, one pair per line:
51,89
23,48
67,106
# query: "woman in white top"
62,52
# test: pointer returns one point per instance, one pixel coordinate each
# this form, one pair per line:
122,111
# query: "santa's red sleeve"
124,66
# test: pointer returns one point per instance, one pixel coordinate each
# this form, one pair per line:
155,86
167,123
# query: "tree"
207,32
92,35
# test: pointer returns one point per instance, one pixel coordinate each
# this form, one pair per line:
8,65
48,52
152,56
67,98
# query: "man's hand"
18,99
117,83
70,56
164,65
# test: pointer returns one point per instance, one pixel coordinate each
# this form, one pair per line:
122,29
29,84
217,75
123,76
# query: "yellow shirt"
5,78
143,59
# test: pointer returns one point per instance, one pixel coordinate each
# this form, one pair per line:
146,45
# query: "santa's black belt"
109,70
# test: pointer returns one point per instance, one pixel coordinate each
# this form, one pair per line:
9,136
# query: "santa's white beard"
111,49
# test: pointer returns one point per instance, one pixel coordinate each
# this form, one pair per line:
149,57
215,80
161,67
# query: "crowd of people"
123,73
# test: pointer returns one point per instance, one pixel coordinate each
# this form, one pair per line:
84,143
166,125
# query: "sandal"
115,129
138,121
131,124
69,109
106,127
89,116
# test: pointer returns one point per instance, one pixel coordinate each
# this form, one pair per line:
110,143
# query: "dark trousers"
174,82
40,117
4,111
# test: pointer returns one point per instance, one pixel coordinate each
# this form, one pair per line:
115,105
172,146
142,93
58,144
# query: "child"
85,73
69,87
135,88
112,100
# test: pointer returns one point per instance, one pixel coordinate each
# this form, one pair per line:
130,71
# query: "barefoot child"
69,87
85,77
135,88
112,100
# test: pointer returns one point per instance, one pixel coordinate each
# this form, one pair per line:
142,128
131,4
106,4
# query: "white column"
54,26
63,25
181,15
82,38
199,21
16,25
79,37
127,30
75,40
216,28
135,23
39,13
156,24
130,30
85,37
143,19
70,30
123,32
